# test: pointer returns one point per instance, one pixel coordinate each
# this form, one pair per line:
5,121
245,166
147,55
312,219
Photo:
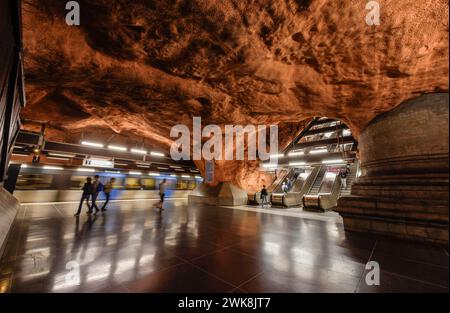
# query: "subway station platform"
135,248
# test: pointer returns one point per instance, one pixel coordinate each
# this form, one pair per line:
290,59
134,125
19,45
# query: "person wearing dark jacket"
97,186
87,192
264,195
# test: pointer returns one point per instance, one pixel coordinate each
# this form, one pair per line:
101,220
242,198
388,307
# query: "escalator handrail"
316,176
272,189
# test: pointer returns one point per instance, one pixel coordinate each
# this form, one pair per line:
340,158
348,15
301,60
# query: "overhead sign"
98,163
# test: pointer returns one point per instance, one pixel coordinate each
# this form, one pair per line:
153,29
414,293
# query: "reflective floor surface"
134,248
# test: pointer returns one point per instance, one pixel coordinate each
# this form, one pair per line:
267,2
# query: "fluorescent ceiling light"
179,170
92,144
153,174
297,163
117,148
57,168
138,151
120,164
82,169
143,166
162,168
135,173
58,158
336,161
296,153
270,165
318,151
157,154
173,166
198,177
61,155
173,175
185,176
113,172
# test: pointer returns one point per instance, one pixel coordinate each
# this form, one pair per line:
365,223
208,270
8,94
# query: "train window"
132,183
148,183
77,182
34,181
182,184
192,184
119,183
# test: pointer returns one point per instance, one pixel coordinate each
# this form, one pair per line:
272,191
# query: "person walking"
162,193
97,187
343,173
264,195
284,187
107,191
87,193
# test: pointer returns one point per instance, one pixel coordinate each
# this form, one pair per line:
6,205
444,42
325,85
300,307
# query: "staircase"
316,186
350,180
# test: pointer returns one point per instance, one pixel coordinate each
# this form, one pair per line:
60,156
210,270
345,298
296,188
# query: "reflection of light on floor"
147,258
272,248
148,224
98,272
124,265
34,275
146,264
38,252
4,285
37,238
111,240
303,256
137,233
68,236
61,282
88,255
280,264
306,272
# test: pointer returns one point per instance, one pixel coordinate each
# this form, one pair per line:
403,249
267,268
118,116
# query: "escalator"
302,181
317,182
283,174
324,193
277,193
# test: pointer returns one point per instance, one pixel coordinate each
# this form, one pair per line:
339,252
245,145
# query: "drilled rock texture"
133,69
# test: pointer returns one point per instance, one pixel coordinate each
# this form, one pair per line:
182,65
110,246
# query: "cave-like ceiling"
135,68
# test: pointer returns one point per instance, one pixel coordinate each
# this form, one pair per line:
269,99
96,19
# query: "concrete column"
403,188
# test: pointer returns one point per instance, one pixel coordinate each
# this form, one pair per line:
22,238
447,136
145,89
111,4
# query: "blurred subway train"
43,184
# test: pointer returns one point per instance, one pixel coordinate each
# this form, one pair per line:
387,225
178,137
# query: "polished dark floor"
134,248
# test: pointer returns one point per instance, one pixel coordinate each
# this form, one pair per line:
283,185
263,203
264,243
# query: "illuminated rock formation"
136,68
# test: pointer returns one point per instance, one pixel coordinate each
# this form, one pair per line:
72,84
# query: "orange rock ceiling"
133,69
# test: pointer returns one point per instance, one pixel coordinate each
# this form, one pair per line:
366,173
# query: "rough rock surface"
136,68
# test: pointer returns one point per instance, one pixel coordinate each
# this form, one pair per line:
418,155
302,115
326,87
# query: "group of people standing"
91,190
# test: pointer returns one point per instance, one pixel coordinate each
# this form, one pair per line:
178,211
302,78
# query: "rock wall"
133,69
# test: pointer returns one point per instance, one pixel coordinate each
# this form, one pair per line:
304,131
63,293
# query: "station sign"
98,163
